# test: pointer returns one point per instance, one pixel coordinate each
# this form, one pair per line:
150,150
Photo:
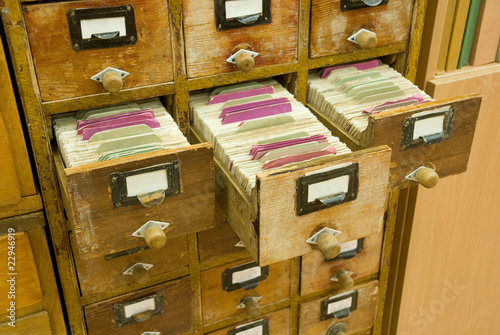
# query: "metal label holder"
119,309
221,23
343,313
407,141
347,5
227,277
118,182
264,323
302,189
106,39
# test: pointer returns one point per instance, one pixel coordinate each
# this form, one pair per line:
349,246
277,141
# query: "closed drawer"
37,323
137,266
355,309
210,41
242,288
333,22
358,258
277,323
73,41
166,308
21,285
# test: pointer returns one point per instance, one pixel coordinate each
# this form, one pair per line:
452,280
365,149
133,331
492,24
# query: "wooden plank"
20,266
448,16
32,324
457,34
330,27
149,61
204,57
27,204
10,191
278,323
454,242
487,37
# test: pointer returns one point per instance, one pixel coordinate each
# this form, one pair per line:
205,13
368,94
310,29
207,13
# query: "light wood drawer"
318,316
133,267
103,219
20,282
65,64
358,258
277,323
230,289
38,323
207,48
165,308
332,25
395,128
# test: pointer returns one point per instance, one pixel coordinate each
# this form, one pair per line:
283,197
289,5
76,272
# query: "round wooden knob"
367,39
244,61
112,82
427,177
345,280
140,275
329,245
252,307
338,329
155,237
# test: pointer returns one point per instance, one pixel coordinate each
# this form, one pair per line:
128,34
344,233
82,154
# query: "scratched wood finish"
448,157
27,285
10,192
177,318
38,323
65,73
218,304
100,229
279,323
330,27
207,49
98,274
316,273
360,319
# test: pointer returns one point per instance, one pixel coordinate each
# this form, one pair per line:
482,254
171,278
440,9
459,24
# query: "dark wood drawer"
272,323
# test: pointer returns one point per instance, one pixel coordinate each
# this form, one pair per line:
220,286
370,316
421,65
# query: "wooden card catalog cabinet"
227,35
86,47
342,26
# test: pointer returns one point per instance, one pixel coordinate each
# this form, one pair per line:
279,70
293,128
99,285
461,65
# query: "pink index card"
257,152
298,158
82,123
87,133
128,119
250,105
216,99
417,98
360,66
257,113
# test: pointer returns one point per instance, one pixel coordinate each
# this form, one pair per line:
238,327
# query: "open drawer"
87,47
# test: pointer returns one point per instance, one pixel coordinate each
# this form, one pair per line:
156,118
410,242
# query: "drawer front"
229,290
277,323
69,49
166,308
133,267
38,323
103,225
358,259
331,26
207,49
448,156
356,309
22,285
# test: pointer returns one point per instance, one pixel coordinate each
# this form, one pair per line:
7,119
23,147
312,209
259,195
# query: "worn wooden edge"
315,63
27,204
24,222
194,275
240,318
294,295
102,99
303,51
236,77
224,259
413,51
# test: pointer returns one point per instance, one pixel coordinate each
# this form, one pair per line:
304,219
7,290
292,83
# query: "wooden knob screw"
140,275
244,61
345,280
155,237
329,245
427,177
367,39
112,82
252,307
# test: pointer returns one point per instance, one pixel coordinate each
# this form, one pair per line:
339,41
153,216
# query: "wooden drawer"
358,259
277,323
227,287
20,282
165,308
207,48
331,26
101,227
65,64
318,316
134,267
38,323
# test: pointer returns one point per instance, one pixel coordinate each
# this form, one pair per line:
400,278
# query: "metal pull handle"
105,36
332,200
343,313
151,199
143,316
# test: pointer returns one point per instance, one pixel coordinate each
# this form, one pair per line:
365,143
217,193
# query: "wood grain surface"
279,323
65,73
330,27
38,323
487,38
207,49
